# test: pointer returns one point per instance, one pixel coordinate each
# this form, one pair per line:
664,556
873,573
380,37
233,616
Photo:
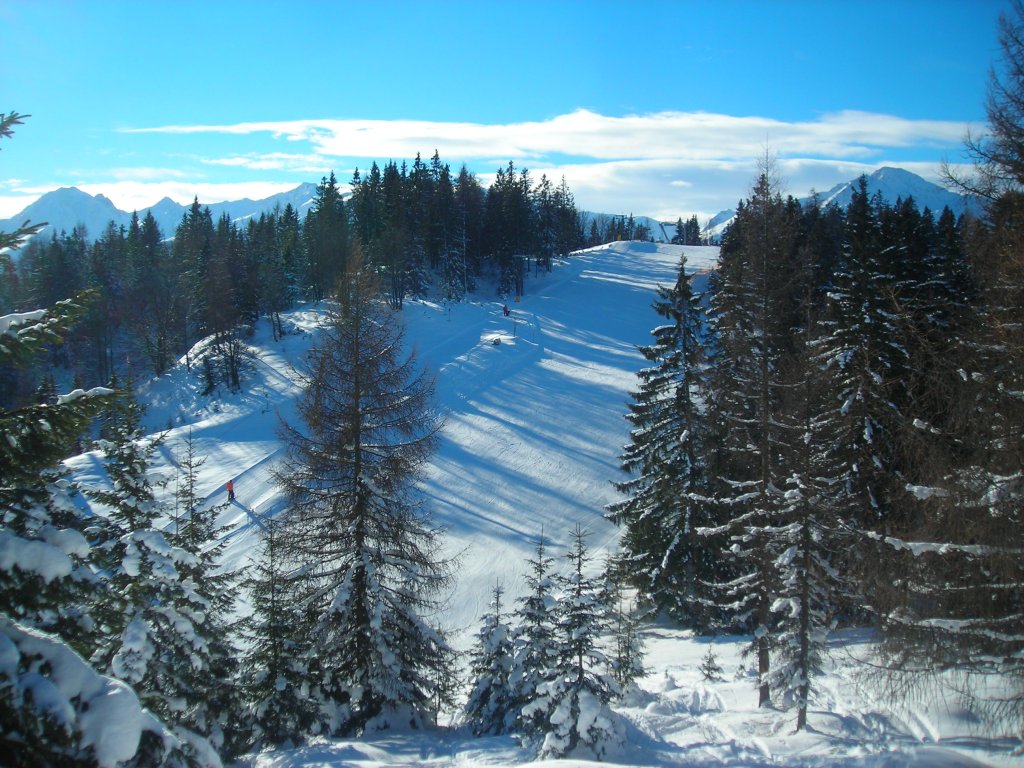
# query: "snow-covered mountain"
894,183
67,207
891,183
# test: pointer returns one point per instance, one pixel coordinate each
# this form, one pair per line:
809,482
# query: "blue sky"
655,108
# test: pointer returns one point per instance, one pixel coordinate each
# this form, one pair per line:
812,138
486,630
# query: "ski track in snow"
533,430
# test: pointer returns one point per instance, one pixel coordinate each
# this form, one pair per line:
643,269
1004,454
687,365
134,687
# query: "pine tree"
274,670
710,669
151,610
54,709
534,639
207,684
490,709
809,532
371,568
326,239
666,502
627,662
867,363
574,704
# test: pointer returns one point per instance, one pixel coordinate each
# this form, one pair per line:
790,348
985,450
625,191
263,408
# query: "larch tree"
370,572
753,308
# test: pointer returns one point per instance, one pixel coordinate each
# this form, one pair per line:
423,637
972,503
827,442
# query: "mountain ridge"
67,207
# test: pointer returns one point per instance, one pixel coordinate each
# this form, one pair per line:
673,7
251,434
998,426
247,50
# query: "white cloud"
12,205
274,161
584,134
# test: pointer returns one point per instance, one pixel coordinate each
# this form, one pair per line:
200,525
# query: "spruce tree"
535,649
573,705
627,662
666,498
207,697
55,709
275,672
756,291
490,709
326,239
152,614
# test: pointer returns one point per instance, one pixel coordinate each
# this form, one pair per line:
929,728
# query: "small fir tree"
574,704
490,709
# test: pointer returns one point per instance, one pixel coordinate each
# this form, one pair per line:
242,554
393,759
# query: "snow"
77,394
534,428
57,681
47,561
17,320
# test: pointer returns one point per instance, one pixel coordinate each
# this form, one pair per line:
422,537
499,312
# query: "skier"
231,490
505,310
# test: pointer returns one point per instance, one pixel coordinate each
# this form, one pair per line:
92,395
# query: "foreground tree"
753,311
573,705
535,649
370,570
152,615
273,676
54,708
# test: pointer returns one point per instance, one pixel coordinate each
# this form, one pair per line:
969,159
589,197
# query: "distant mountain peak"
68,207
890,182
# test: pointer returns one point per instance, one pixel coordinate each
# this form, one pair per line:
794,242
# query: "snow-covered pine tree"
958,577
963,575
490,709
54,708
149,608
206,694
534,639
274,671
667,495
368,554
866,361
808,532
573,705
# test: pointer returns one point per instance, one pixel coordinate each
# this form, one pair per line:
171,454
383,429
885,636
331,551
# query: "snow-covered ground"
534,408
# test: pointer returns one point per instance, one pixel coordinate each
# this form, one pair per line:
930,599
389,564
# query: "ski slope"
533,407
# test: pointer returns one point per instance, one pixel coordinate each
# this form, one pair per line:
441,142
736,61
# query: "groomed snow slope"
534,426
